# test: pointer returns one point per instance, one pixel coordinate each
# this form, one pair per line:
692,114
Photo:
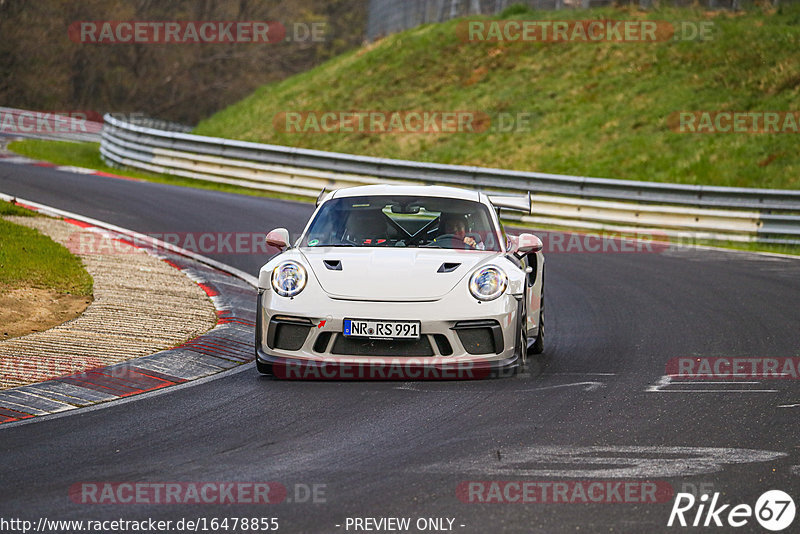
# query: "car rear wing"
512,202
323,196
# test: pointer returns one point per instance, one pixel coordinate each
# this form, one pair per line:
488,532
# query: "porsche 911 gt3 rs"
414,281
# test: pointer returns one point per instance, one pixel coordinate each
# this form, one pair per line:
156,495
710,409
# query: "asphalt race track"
595,407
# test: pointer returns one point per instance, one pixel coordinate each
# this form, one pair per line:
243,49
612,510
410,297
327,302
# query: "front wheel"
522,338
538,344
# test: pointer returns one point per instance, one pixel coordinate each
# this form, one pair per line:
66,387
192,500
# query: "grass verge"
7,208
30,259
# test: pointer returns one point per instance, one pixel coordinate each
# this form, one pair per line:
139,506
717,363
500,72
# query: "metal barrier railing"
75,126
740,214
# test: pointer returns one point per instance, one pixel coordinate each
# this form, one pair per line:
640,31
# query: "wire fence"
390,16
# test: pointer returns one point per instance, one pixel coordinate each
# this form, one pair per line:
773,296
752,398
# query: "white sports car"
401,282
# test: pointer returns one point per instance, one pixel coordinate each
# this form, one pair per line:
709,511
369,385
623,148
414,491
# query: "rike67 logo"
774,510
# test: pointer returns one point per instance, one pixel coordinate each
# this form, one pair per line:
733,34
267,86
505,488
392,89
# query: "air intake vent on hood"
448,267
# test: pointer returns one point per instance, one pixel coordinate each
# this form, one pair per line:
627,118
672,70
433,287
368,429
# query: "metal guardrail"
49,125
140,119
705,212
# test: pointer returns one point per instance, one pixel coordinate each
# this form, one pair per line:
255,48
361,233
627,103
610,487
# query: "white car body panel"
404,273
398,284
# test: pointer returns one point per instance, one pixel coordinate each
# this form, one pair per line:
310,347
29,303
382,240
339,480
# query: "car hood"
391,274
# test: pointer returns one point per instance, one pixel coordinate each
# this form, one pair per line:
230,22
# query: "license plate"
382,329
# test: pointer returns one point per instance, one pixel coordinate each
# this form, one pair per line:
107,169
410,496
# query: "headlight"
288,279
488,283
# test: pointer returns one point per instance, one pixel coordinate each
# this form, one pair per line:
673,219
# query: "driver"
456,225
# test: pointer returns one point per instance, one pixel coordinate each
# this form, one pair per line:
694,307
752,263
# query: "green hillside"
596,109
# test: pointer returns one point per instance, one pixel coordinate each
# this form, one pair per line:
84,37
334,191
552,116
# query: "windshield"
403,221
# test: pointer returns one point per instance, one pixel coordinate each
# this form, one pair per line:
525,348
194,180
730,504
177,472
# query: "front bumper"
460,339
384,368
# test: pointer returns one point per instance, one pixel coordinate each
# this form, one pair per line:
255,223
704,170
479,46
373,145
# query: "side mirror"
278,238
528,243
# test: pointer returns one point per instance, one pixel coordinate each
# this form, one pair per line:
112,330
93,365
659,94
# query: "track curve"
400,449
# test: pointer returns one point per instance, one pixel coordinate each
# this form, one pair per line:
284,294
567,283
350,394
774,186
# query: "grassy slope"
30,259
600,109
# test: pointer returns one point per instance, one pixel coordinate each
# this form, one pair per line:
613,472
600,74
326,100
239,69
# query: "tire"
538,344
521,349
